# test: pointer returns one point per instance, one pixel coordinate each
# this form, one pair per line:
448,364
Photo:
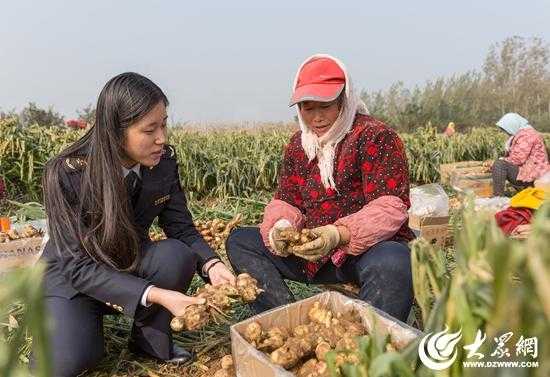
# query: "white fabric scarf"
324,147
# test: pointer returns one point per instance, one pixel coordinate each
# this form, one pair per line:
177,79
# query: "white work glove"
279,247
328,239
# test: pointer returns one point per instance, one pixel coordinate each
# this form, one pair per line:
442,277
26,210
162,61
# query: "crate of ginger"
292,340
20,245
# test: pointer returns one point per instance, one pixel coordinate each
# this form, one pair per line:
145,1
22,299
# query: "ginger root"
320,315
228,369
157,235
293,238
227,362
253,333
347,343
346,357
247,287
321,350
193,318
13,235
28,231
302,331
276,337
219,296
214,232
218,302
291,352
313,368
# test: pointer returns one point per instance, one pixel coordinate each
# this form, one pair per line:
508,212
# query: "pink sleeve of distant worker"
378,220
520,150
277,210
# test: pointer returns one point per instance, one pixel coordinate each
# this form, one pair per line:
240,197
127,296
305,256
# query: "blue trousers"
383,273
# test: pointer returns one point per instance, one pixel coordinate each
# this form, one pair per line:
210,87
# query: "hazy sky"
235,60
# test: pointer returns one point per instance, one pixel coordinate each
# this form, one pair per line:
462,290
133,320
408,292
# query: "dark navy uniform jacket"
69,273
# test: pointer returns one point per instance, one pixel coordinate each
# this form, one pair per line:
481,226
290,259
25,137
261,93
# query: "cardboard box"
480,184
250,362
23,252
435,230
463,167
20,253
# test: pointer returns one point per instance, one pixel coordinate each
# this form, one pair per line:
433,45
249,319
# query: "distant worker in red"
77,124
450,130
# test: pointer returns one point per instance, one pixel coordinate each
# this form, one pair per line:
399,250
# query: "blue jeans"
383,273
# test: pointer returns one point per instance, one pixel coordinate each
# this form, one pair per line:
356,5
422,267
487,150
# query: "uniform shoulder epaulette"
75,163
169,152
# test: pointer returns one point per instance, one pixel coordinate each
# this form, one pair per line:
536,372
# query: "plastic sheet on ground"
494,204
429,200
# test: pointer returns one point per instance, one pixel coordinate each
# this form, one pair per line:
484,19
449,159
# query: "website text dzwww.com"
500,364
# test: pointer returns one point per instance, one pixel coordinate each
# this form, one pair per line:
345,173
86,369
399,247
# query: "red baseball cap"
320,79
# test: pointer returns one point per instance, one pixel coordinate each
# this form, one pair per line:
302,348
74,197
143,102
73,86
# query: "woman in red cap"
344,175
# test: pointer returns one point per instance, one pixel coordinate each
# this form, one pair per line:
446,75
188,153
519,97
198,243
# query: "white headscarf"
324,147
512,123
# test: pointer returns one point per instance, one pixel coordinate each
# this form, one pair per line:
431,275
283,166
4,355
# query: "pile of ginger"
302,350
214,232
28,231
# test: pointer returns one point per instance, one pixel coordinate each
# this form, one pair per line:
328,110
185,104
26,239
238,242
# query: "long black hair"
99,218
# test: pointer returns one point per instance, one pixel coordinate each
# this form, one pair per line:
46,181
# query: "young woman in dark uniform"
102,194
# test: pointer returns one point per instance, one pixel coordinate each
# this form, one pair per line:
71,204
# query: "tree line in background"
515,77
32,114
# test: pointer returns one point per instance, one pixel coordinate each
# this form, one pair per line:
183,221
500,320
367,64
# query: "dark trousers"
383,273
76,334
502,171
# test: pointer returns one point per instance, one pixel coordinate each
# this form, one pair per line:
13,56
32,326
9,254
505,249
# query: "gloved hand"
279,246
328,239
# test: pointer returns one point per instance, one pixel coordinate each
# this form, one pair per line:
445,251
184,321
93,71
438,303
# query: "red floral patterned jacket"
372,196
